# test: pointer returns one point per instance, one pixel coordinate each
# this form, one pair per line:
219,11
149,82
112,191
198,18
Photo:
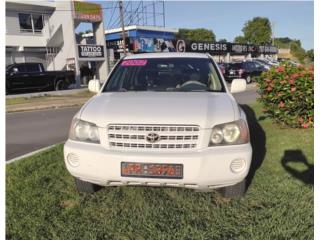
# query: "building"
138,39
26,40
40,31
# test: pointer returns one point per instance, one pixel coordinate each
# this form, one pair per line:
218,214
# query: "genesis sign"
215,47
90,51
223,48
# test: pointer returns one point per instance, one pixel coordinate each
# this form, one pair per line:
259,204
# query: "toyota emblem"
152,137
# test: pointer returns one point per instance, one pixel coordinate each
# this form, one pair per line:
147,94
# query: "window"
25,22
32,23
37,22
21,68
165,75
32,68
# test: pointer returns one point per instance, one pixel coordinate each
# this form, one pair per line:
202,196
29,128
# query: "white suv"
163,119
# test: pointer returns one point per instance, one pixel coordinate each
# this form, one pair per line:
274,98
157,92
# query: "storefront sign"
268,49
118,44
89,12
223,48
90,51
201,47
144,44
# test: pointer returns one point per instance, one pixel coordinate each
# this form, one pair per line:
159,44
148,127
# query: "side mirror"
94,85
238,85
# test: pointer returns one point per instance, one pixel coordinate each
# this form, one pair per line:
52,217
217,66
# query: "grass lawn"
42,202
47,98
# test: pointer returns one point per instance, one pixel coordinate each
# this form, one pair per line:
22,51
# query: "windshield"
166,75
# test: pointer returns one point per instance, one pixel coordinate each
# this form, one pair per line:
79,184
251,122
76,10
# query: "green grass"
47,98
42,202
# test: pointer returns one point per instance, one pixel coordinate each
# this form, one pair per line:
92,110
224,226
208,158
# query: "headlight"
84,131
230,133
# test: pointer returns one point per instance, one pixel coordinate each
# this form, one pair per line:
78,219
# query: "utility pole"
122,26
164,19
272,28
154,13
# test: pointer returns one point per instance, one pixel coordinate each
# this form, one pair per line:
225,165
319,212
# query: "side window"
21,68
257,65
32,68
251,66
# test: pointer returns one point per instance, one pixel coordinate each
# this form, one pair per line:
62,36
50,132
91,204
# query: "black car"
32,76
247,70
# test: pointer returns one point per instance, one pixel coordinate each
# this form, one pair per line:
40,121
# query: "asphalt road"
30,131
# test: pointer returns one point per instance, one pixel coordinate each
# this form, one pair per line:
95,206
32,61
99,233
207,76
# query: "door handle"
25,75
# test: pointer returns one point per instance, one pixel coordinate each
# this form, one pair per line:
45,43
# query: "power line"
113,10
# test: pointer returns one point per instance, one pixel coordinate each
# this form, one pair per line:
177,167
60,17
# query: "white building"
40,31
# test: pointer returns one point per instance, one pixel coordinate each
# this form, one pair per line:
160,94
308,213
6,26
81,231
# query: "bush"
286,93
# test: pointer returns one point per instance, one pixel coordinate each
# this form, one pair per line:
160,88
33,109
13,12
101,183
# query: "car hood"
190,108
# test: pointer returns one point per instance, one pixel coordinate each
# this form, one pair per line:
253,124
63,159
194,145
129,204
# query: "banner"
89,12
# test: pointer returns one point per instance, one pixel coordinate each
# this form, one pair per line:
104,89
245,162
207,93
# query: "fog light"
237,165
73,159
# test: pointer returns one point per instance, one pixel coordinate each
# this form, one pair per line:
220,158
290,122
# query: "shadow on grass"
297,156
258,142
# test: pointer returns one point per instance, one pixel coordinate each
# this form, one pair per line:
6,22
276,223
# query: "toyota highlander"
161,119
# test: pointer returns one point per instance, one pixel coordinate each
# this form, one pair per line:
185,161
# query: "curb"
31,153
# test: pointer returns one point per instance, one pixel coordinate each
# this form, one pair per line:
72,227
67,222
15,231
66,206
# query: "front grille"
170,136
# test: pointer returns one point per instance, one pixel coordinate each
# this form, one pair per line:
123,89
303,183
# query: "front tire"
86,187
234,191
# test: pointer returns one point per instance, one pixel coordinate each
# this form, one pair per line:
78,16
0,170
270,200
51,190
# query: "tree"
240,39
222,40
198,34
283,42
310,55
297,51
257,31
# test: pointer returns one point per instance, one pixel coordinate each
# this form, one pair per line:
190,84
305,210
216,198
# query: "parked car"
222,68
32,76
266,64
247,70
161,119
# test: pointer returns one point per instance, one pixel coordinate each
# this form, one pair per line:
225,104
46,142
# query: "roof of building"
130,28
42,4
167,55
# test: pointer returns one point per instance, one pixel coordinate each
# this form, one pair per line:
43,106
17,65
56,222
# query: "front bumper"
203,169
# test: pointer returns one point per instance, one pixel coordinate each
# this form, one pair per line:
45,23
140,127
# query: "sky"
293,19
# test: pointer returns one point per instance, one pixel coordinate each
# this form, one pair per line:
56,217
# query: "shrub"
286,93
